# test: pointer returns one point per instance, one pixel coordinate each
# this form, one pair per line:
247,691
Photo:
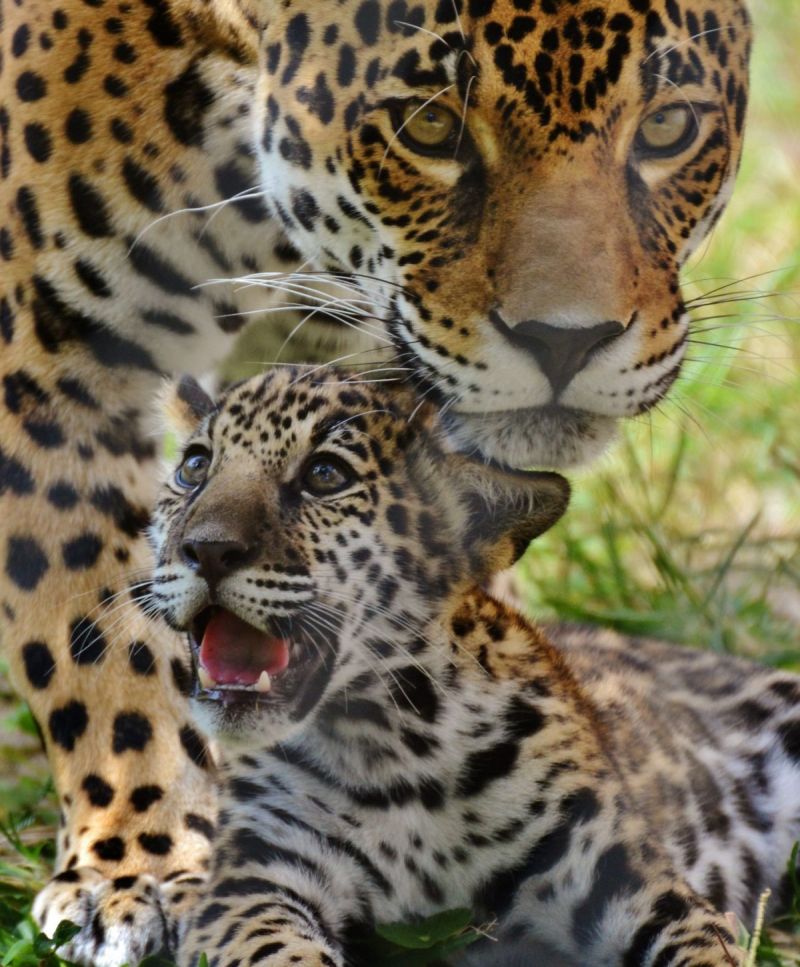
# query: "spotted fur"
524,281
599,801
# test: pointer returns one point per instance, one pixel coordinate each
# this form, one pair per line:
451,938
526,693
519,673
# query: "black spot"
181,676
86,642
82,552
76,70
38,142
413,691
522,719
194,746
62,495
123,882
98,790
318,99
152,266
78,126
89,207
121,437
68,876
420,745
142,185
67,724
6,241
29,213
397,517
789,734
7,319
141,659
368,22
715,891
125,53
143,797
92,279
112,502
23,392
46,433
346,71
159,844
26,562
232,180
114,86
20,40
161,25
200,824
31,86
131,731
298,35
167,320
186,102
486,766
14,477
121,130
111,849
39,664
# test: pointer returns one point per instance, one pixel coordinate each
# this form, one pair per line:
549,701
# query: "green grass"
689,530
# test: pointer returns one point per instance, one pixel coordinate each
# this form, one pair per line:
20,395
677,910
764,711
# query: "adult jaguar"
400,743
502,191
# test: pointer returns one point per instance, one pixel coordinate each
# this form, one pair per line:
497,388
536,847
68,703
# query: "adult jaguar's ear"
505,509
184,405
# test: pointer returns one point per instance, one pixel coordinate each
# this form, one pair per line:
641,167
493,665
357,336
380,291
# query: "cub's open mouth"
235,661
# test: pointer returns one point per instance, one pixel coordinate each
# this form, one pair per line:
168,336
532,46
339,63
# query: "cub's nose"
215,560
561,353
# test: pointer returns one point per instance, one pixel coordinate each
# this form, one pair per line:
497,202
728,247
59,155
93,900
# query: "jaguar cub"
399,742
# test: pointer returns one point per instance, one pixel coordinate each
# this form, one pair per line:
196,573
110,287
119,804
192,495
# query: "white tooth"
264,683
206,681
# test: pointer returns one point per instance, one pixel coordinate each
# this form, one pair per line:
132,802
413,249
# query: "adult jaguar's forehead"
550,64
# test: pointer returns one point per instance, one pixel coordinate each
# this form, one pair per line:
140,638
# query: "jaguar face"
506,190
311,530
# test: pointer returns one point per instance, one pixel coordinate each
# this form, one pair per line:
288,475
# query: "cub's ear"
184,406
506,509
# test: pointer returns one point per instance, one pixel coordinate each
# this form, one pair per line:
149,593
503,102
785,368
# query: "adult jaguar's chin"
544,436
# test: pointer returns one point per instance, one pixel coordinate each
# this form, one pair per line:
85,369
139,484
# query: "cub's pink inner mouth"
235,653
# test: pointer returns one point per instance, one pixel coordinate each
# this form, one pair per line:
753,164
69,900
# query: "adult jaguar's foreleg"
106,124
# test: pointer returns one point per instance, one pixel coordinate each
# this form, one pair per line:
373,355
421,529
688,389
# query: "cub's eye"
426,128
194,469
667,132
326,475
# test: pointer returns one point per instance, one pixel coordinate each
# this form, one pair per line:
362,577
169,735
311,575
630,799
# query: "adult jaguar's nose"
215,560
561,352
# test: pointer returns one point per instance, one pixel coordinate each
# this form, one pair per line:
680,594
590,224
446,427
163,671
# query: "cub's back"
726,732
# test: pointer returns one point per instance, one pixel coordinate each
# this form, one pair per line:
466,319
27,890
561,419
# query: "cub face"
310,526
513,187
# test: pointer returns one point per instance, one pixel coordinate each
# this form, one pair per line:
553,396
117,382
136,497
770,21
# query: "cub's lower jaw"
246,678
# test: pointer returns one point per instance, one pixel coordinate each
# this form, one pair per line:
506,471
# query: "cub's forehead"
287,411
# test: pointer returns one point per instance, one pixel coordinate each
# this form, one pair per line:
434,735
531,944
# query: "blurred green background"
689,529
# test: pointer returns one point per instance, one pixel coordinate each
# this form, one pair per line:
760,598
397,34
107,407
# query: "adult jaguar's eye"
667,132
326,475
427,128
194,469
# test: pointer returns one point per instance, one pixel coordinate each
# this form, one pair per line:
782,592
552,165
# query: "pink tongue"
235,653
